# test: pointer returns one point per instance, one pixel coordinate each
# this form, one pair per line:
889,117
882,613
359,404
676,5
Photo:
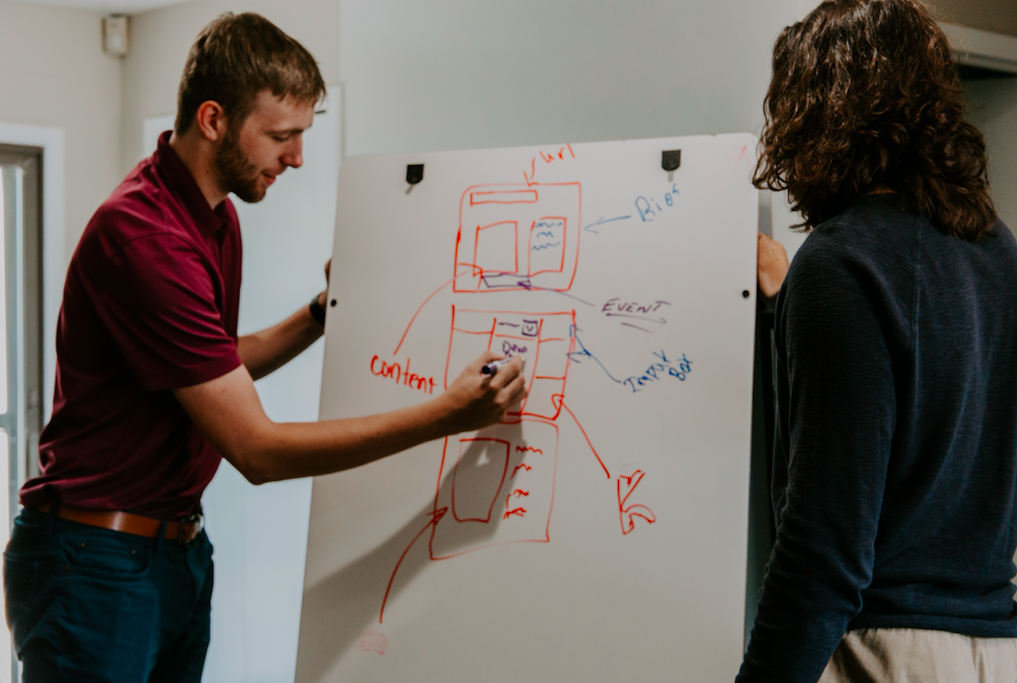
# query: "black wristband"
317,311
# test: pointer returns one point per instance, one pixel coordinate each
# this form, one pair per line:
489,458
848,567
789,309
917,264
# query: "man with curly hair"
895,459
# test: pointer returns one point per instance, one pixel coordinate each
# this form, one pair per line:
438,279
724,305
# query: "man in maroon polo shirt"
108,574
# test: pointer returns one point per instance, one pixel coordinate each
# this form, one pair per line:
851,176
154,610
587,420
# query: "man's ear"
211,120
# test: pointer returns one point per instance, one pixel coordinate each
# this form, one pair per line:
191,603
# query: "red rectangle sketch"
510,197
477,478
492,255
542,339
495,245
498,486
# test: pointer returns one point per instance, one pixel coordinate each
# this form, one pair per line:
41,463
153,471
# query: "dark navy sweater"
895,457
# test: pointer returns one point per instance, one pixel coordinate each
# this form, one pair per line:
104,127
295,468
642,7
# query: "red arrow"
435,518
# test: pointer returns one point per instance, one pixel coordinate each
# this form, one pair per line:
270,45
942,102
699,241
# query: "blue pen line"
585,353
602,221
538,247
525,284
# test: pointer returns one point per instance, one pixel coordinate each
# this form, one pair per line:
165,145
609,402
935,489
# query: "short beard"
238,174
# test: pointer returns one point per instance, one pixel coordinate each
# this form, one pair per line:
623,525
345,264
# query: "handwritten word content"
662,368
401,375
649,208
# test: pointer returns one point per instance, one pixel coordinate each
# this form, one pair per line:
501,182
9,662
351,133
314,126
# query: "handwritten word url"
560,155
401,375
663,367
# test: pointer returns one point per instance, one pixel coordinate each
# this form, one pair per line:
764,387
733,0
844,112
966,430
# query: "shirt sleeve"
836,336
160,301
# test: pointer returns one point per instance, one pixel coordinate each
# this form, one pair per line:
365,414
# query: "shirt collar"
180,180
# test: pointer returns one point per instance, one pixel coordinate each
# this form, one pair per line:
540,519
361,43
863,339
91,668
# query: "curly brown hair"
864,97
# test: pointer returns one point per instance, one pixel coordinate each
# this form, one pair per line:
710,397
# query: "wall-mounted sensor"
670,160
414,174
116,35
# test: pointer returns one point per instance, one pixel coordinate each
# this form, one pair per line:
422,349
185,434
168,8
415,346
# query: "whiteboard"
600,533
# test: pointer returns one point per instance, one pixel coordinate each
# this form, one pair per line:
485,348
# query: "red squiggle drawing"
518,512
529,449
518,493
626,515
524,467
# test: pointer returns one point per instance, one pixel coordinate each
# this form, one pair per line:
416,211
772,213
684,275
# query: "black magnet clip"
414,174
670,160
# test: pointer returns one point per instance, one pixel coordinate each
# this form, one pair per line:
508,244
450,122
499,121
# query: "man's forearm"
228,412
293,450
268,350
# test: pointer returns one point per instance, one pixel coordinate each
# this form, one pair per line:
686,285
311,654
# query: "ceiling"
104,6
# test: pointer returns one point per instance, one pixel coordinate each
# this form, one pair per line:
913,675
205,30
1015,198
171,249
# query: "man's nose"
294,156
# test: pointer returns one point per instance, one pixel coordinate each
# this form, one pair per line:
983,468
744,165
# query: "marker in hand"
493,366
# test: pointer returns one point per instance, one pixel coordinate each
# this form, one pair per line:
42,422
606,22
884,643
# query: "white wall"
993,108
161,38
456,74
59,91
54,73
448,74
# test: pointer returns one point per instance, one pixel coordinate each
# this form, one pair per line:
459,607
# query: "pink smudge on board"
372,641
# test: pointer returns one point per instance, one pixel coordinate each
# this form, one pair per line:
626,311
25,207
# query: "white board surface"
600,535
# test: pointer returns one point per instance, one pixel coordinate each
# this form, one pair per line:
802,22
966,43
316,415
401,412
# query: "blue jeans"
88,604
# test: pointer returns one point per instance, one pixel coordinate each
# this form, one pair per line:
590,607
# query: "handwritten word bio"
646,207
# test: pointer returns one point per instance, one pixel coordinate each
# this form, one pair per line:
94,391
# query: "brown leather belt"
184,530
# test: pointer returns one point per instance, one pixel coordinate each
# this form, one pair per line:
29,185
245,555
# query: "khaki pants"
904,655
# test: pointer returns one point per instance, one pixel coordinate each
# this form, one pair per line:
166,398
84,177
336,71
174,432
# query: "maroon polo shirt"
150,305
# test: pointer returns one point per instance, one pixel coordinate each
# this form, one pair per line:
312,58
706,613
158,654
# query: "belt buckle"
189,527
